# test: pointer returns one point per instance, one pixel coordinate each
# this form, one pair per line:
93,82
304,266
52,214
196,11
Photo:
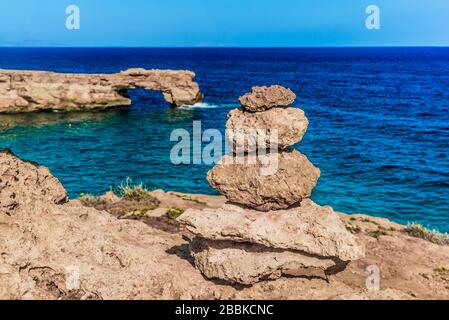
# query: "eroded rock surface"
283,180
288,124
247,263
28,91
263,98
23,182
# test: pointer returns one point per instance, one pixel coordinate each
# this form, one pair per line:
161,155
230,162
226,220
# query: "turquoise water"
379,122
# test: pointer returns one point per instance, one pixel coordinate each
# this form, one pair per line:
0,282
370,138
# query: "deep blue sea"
379,122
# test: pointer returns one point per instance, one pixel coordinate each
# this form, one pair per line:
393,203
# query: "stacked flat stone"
266,109
269,227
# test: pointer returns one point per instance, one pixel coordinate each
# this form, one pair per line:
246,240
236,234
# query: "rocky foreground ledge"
28,91
131,247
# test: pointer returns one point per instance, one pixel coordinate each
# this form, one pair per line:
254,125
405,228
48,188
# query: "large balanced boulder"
245,246
276,127
278,182
263,98
309,228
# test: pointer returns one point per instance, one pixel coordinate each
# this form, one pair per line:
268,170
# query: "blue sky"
224,23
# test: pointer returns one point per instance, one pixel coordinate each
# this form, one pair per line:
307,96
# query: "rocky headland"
28,91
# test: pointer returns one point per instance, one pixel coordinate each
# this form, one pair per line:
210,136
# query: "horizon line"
219,47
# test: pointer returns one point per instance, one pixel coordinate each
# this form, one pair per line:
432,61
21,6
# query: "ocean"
379,122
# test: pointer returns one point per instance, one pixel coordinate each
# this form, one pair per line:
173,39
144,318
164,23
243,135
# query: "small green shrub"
174,212
136,192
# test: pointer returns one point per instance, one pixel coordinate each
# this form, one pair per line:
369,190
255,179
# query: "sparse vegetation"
90,200
134,192
188,198
441,269
174,212
379,232
135,201
370,221
419,231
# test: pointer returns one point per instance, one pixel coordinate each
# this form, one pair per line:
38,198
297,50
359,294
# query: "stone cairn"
269,227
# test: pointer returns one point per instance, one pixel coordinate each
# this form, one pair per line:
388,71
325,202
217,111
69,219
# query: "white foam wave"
204,105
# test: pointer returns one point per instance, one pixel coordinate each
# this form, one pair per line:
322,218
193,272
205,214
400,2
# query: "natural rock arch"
28,91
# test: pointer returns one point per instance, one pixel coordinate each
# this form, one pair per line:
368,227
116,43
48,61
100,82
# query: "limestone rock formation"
247,263
245,246
309,228
263,98
21,183
288,124
247,180
28,91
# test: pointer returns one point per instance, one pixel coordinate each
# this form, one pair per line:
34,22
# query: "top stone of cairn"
264,98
